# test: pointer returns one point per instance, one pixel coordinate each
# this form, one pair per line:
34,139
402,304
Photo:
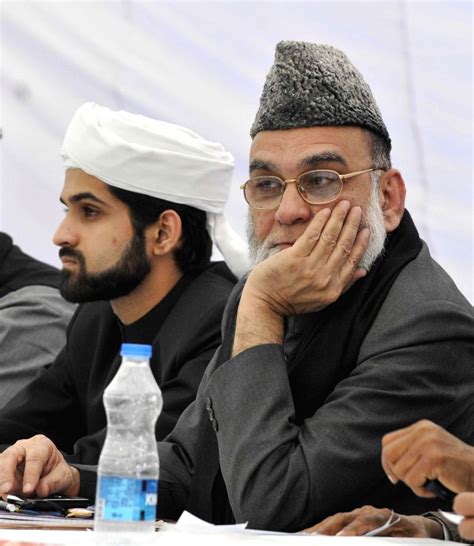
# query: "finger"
417,475
408,432
365,519
352,260
466,528
364,524
464,504
392,452
346,238
9,461
407,460
330,526
35,461
305,244
56,481
330,234
420,460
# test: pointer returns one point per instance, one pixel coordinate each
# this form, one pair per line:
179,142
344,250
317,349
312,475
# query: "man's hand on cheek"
317,268
302,279
36,467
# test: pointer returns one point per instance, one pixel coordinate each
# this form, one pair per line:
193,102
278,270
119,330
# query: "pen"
439,490
8,506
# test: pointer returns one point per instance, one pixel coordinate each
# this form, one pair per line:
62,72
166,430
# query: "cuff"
450,531
88,483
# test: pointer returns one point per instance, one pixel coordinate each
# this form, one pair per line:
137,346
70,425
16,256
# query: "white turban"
155,158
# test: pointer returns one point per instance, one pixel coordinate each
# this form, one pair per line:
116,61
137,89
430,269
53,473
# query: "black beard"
119,280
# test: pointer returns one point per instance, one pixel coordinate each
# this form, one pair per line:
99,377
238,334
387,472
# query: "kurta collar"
145,329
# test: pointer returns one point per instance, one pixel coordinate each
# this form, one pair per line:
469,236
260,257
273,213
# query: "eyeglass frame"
341,177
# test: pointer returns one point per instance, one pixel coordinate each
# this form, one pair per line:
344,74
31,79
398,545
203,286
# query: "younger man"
136,254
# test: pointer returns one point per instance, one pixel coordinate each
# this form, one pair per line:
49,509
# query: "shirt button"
208,403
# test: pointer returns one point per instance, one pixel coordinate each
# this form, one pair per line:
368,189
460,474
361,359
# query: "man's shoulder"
423,305
202,303
213,285
423,280
37,299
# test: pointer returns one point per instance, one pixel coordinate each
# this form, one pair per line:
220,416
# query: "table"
173,537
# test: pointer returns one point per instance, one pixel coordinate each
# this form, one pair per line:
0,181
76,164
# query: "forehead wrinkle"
314,159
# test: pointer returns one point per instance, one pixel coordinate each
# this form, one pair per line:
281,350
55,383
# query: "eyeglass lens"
315,186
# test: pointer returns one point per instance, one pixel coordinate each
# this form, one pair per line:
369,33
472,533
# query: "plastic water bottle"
127,487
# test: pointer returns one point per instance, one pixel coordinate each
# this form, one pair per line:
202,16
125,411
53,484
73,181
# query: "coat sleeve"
179,451
48,405
33,323
283,476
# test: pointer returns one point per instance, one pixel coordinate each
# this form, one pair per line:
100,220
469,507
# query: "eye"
89,212
265,184
317,180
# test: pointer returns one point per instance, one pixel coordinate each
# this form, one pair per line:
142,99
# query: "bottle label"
126,499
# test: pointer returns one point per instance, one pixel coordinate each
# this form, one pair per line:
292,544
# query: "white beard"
372,218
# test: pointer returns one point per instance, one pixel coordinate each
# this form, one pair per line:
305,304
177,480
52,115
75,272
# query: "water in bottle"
127,487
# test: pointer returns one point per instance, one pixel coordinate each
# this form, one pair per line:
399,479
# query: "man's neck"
147,295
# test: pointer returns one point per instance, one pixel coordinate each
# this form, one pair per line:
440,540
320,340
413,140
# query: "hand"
464,505
318,267
365,519
306,277
36,466
425,451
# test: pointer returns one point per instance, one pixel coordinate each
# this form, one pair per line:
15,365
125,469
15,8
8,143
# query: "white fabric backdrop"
203,64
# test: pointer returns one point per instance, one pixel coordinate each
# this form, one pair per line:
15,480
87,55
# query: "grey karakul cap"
312,84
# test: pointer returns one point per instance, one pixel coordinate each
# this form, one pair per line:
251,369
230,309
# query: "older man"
346,330
136,254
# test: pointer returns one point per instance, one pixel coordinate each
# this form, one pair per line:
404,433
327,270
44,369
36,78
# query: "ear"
392,199
165,233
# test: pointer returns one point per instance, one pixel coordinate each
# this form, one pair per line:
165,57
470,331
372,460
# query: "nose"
65,235
293,209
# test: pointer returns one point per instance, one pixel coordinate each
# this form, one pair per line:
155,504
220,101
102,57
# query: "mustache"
71,253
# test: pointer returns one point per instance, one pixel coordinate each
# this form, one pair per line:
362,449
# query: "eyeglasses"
315,187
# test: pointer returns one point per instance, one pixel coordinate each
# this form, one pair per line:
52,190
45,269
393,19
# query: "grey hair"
380,151
373,218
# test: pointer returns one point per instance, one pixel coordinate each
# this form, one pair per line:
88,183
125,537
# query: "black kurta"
65,401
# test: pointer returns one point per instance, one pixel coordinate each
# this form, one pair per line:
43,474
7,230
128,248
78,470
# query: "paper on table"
18,520
392,520
188,522
453,518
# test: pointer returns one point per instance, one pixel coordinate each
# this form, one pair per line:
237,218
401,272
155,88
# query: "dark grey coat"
417,361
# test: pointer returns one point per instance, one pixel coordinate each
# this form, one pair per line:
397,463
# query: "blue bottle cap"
135,349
